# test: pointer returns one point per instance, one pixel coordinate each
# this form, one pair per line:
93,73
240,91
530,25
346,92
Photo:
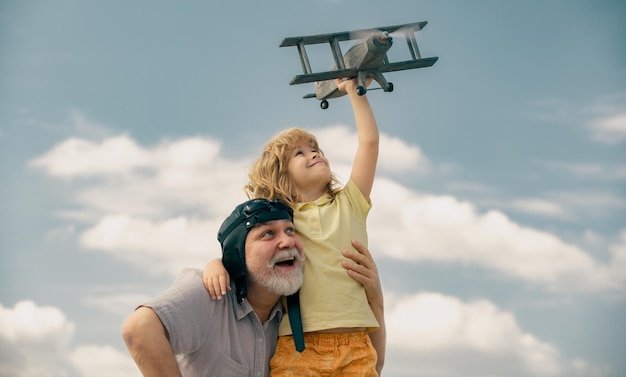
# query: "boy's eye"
290,230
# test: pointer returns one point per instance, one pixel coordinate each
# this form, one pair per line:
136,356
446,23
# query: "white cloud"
425,329
103,361
570,206
618,253
86,127
140,217
538,207
606,172
610,130
469,187
340,142
35,341
136,216
185,174
164,246
120,304
609,119
28,321
80,157
409,226
605,117
589,202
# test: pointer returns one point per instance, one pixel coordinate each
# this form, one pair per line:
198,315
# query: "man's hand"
363,269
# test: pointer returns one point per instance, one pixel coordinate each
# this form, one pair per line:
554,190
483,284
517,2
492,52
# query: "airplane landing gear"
324,104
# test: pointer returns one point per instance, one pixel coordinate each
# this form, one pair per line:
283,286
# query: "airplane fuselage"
368,53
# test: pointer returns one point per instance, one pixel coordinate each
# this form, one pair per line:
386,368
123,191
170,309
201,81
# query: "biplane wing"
349,35
365,59
352,72
323,76
408,64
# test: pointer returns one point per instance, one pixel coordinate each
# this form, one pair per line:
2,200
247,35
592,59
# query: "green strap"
295,320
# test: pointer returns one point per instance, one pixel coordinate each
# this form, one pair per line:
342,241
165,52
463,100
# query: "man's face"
275,257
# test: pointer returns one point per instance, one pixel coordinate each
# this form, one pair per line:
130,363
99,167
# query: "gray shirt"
215,337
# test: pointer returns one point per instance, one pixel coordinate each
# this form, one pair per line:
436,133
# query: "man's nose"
286,241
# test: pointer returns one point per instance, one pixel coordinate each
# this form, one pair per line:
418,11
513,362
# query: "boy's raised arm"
366,157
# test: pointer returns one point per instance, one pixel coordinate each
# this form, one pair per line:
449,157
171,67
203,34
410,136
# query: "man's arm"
146,339
363,269
366,157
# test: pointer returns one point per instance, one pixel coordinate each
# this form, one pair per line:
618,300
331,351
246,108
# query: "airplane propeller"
397,33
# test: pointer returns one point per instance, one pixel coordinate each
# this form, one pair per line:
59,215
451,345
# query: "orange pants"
344,354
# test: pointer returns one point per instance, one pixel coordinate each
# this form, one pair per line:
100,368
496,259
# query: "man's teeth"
288,261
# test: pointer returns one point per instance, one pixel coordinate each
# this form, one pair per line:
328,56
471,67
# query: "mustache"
291,254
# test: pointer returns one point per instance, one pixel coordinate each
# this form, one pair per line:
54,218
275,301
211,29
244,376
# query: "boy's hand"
349,85
216,279
346,85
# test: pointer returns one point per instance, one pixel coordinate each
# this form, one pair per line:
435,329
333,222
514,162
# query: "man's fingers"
360,265
361,249
358,258
359,271
356,275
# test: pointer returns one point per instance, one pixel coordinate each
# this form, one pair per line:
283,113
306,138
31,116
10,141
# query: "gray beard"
285,286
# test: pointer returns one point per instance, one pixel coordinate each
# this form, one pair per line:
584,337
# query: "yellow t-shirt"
329,298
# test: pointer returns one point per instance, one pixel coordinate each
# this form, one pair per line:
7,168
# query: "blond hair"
269,178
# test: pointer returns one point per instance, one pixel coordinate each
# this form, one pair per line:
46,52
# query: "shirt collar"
319,202
245,309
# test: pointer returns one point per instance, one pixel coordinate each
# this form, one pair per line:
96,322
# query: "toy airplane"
365,59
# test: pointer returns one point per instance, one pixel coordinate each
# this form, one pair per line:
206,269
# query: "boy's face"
275,257
308,168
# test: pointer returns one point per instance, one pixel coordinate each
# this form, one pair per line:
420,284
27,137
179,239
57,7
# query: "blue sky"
498,220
